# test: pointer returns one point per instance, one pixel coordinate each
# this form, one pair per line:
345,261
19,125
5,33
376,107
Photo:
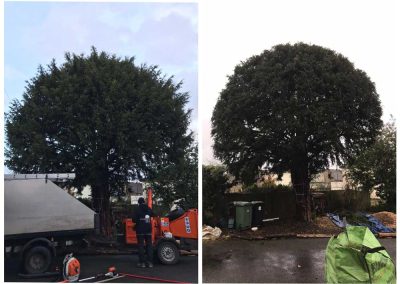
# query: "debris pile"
321,227
210,233
360,219
387,218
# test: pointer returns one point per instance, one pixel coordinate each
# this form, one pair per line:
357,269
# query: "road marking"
106,280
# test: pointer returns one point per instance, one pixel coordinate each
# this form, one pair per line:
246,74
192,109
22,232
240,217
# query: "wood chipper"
177,231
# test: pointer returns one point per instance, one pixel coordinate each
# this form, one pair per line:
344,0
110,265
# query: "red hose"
150,278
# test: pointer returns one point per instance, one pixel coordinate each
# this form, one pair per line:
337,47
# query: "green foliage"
178,183
102,117
375,168
294,108
215,184
265,187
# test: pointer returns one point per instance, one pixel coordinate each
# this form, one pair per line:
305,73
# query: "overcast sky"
363,31
160,34
230,31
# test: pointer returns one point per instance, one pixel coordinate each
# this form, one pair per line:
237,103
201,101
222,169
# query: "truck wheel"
168,253
37,260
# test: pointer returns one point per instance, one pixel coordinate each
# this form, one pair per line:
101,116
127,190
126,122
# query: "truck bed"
34,206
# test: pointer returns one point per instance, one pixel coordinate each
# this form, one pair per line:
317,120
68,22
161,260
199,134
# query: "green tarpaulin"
356,256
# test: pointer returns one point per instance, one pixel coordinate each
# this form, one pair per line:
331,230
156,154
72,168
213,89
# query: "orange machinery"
169,236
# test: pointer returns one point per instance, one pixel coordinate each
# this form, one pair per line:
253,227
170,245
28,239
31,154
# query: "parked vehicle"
42,219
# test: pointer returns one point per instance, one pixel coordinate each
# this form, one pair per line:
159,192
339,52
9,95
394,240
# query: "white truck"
41,218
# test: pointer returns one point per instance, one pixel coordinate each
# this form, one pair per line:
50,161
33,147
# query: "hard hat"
71,268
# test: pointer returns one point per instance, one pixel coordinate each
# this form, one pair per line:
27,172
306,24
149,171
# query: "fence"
277,203
351,200
282,203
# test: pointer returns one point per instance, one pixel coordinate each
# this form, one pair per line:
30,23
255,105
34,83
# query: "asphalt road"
184,271
269,261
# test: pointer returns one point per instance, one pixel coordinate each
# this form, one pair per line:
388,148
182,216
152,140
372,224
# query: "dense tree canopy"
178,183
375,168
294,108
102,117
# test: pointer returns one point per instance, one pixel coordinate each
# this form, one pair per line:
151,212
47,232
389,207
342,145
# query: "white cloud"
187,11
154,33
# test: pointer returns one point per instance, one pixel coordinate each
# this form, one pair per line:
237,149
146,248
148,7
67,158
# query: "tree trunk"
101,204
301,186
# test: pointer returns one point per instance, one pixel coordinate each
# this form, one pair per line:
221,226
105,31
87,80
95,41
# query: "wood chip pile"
387,218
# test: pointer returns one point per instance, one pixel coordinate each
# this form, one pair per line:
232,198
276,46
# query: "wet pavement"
184,271
269,261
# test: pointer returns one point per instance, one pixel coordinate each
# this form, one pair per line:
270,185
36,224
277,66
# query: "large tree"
104,118
294,108
375,168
